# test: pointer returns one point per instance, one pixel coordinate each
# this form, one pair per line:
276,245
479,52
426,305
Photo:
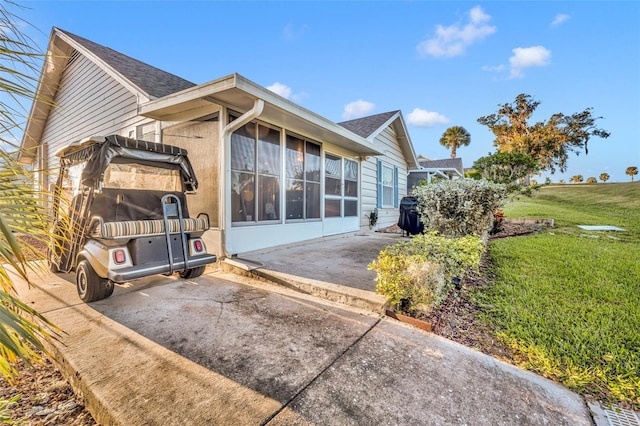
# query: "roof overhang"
56,57
240,94
448,171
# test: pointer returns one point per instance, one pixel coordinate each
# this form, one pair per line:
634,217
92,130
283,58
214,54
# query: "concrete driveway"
224,349
341,259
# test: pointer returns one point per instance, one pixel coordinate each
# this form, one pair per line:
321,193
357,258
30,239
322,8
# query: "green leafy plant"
22,208
460,207
5,408
418,271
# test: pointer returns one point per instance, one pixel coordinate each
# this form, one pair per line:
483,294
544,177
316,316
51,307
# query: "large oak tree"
549,142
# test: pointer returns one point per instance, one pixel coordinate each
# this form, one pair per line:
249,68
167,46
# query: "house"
271,172
450,168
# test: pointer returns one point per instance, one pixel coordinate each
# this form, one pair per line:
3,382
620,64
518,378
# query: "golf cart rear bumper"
136,272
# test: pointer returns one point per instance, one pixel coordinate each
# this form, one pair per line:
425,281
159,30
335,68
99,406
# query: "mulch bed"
45,396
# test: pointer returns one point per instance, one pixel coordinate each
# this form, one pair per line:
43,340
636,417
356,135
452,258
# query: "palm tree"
22,209
631,171
455,137
576,178
604,177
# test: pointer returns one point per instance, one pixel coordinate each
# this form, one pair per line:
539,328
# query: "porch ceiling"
239,94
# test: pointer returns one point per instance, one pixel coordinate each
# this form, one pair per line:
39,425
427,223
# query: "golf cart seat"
144,228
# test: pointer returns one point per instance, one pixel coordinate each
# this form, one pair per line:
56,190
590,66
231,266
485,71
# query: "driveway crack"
317,376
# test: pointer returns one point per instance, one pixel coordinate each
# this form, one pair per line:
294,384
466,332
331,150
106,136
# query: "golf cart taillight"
197,245
119,257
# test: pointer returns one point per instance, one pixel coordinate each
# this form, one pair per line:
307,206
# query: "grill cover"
409,219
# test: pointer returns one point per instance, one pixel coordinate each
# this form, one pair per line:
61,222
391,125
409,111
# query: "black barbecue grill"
409,220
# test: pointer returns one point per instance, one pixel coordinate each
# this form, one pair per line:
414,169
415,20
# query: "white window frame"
388,203
342,197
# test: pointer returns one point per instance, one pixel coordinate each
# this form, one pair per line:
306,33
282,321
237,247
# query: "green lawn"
567,301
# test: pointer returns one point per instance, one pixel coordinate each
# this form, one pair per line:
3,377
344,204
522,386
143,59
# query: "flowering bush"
456,208
418,271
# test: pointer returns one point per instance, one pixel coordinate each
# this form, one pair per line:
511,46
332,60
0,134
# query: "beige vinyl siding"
89,102
201,140
386,142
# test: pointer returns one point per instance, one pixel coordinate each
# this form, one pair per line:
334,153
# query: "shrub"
460,207
418,271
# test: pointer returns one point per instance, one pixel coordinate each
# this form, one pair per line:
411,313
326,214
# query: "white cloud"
423,118
454,39
291,32
280,89
560,18
357,109
527,57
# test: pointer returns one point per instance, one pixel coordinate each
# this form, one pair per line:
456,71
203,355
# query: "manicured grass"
567,301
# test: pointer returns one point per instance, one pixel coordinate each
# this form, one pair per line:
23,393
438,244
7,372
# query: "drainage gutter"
224,215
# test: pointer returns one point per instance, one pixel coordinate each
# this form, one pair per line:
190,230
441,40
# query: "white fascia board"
437,169
379,130
405,140
412,160
156,108
292,108
172,105
42,103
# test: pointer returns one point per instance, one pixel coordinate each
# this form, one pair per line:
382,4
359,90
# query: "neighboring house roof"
450,168
449,163
369,127
151,80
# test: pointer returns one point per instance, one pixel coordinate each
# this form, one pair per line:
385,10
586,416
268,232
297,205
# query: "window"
332,186
142,176
255,174
350,188
340,187
302,179
387,185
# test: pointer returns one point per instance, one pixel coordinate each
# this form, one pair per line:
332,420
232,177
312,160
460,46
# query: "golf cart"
120,214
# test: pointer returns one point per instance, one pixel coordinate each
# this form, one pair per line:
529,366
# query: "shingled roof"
149,79
447,163
367,125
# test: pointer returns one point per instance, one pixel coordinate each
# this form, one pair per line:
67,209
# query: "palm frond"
23,207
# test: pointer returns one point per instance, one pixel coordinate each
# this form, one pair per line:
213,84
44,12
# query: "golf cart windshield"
142,176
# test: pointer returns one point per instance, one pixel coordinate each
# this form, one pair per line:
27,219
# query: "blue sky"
442,64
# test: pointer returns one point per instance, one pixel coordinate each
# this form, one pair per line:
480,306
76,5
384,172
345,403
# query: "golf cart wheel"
90,286
109,287
192,273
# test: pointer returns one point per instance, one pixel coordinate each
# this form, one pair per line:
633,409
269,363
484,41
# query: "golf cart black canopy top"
99,151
